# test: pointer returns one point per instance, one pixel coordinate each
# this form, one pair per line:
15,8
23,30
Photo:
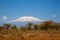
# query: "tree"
14,27
35,27
29,25
1,27
45,25
6,26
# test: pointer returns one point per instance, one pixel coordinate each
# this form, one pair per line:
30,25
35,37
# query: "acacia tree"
45,25
29,25
14,27
35,27
1,27
6,26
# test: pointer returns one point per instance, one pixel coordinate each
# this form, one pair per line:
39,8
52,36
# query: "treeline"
8,26
46,25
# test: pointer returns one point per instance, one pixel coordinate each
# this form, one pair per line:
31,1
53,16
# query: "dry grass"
32,35
42,36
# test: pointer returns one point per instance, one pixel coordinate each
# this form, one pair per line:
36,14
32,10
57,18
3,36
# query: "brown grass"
32,35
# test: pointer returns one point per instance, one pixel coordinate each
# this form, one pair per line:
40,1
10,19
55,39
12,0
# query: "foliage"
29,25
6,26
35,27
1,27
46,25
14,27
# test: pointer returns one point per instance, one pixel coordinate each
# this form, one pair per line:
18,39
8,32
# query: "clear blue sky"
43,9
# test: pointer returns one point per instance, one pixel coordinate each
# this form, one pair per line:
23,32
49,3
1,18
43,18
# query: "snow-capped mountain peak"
27,19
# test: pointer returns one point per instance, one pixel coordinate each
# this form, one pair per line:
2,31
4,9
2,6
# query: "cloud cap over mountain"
27,19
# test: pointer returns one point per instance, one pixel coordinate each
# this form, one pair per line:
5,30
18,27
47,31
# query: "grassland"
31,35
46,31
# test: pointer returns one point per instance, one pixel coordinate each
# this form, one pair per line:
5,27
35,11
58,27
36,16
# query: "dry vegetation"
47,30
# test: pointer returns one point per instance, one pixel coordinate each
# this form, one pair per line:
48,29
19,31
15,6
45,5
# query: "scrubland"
47,30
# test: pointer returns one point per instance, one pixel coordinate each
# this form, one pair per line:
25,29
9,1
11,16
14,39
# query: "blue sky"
42,9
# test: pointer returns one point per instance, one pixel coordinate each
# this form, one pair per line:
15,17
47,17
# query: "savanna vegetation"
47,30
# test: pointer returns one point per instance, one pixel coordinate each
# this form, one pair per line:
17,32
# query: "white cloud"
27,19
3,18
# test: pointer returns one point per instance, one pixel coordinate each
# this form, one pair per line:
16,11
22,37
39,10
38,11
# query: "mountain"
27,19
22,21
